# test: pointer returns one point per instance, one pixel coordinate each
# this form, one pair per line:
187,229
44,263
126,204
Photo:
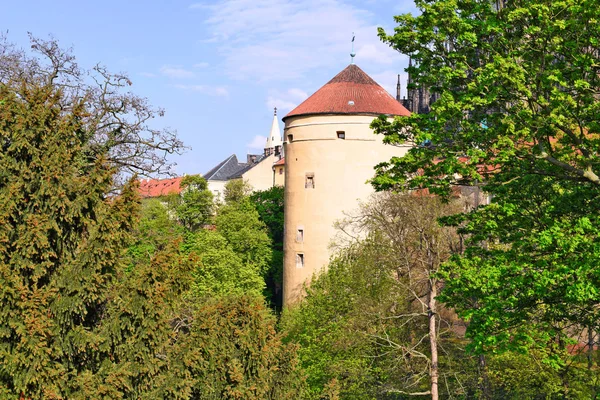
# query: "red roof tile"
159,187
280,162
351,91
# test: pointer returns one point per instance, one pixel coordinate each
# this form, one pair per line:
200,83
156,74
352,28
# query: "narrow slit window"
299,260
309,183
300,235
341,135
290,138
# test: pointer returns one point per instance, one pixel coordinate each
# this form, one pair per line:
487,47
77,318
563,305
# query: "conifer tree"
73,324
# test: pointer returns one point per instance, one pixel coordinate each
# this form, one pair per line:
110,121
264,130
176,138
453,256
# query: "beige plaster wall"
217,188
260,177
279,171
341,168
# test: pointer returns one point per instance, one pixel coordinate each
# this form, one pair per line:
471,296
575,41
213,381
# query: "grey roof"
247,167
230,168
225,169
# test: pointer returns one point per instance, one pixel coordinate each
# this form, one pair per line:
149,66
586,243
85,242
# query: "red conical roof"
351,91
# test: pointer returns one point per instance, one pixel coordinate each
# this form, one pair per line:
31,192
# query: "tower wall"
340,169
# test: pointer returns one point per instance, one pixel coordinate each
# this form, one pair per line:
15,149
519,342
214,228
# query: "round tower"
330,154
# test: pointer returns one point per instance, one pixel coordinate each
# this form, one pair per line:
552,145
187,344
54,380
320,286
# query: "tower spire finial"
352,54
398,89
274,110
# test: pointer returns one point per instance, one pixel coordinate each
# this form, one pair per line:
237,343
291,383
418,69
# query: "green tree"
518,114
269,204
61,251
234,255
518,91
195,206
73,322
370,325
221,270
155,231
228,349
236,190
238,222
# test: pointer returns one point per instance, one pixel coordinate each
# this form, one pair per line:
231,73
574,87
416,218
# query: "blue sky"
218,67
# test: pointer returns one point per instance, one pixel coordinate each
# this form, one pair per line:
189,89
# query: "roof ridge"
219,166
353,73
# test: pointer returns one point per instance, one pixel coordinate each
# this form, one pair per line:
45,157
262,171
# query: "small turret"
398,90
274,142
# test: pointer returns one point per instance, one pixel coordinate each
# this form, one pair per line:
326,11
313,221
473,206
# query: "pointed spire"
274,138
398,89
410,91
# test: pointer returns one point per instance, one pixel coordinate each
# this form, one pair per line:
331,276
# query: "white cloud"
265,40
258,142
282,105
376,54
201,65
298,94
219,91
176,72
286,100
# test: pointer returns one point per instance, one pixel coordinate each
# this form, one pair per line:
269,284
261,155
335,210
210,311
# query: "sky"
218,67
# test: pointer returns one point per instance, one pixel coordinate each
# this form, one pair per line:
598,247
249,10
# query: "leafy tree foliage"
94,304
195,206
232,351
238,222
518,113
155,231
221,270
518,84
269,205
62,242
236,190
365,325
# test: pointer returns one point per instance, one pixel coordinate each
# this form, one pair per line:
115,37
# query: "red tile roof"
351,91
280,162
159,187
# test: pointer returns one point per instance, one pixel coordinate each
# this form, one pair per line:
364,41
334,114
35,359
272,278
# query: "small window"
280,171
300,235
309,183
341,135
299,260
290,138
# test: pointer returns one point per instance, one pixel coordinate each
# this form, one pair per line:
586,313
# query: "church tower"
274,142
330,153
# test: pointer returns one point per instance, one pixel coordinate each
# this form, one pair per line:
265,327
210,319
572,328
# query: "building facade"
259,170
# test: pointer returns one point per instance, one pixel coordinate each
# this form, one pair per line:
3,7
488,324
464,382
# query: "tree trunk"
434,373
590,351
485,384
